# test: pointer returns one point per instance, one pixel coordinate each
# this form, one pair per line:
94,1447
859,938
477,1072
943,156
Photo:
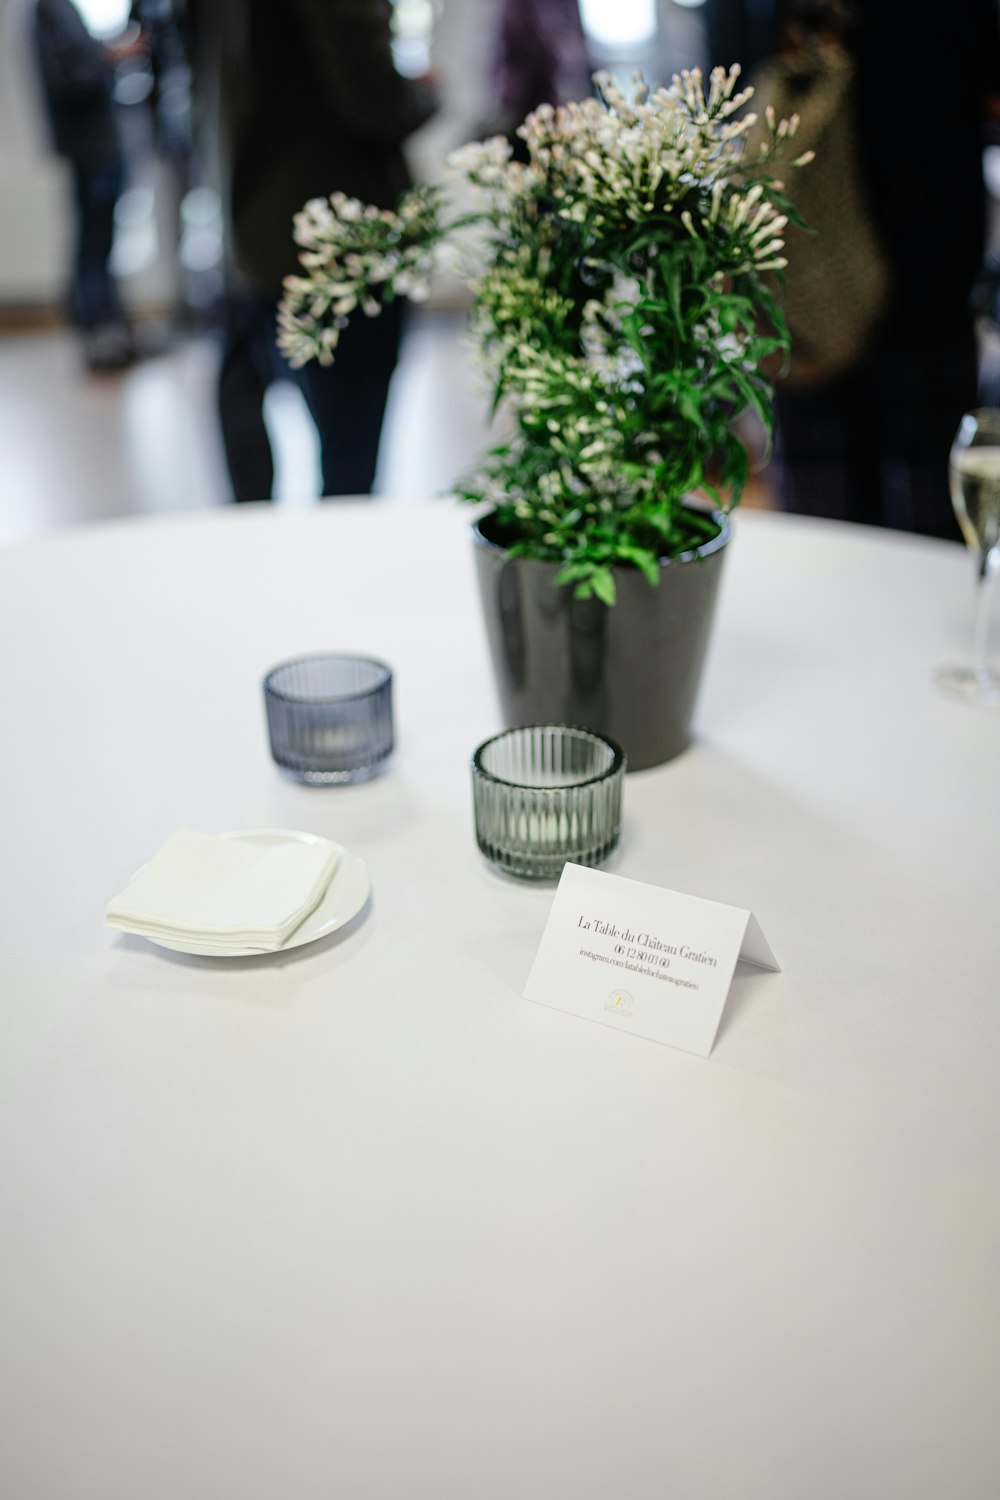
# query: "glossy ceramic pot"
630,671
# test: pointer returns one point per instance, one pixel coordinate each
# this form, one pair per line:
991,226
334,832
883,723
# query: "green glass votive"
544,794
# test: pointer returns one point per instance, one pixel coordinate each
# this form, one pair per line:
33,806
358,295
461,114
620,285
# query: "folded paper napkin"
225,893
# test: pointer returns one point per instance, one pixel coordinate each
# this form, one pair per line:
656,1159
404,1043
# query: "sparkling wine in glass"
974,470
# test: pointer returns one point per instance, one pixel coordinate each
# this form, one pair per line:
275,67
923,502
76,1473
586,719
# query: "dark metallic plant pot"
630,672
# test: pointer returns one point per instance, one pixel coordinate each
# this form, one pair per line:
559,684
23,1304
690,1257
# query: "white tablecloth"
358,1221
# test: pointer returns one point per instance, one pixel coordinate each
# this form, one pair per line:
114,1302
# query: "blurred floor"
75,448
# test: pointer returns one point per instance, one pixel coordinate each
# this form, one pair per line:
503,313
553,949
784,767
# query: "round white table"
358,1220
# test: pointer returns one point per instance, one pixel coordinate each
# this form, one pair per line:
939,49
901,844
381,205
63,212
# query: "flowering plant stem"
624,286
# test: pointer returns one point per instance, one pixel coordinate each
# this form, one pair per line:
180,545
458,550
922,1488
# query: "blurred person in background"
742,31
884,354
160,24
165,132
294,102
77,82
540,56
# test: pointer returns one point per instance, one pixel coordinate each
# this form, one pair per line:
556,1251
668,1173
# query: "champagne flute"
974,473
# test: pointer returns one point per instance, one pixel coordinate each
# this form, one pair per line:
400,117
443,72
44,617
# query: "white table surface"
359,1221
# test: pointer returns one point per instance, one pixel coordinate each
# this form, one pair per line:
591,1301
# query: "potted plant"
624,307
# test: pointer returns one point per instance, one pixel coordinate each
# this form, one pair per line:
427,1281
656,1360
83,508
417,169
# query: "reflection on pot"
631,671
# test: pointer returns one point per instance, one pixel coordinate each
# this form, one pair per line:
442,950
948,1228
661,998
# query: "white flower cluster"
620,305
352,254
666,150
483,164
671,152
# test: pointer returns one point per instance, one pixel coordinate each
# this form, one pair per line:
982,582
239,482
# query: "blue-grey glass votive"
329,717
544,794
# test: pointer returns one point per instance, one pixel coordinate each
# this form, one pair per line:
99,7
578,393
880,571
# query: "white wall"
33,218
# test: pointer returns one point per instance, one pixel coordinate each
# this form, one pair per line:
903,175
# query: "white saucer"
343,898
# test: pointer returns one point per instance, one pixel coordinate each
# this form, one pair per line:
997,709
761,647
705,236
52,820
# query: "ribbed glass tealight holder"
329,717
545,794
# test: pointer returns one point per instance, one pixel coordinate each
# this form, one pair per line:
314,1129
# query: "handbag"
836,283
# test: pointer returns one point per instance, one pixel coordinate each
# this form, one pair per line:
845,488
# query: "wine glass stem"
981,618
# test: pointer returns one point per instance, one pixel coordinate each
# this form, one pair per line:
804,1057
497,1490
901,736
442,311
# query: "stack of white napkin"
223,892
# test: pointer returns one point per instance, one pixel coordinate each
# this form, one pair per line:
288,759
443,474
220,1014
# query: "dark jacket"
301,99
77,79
923,96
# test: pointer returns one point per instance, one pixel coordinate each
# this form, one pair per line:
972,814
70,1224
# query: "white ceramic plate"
343,899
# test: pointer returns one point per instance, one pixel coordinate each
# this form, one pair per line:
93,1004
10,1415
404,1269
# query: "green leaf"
647,562
603,584
689,405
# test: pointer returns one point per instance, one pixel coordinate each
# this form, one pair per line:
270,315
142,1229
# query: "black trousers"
346,399
94,299
873,445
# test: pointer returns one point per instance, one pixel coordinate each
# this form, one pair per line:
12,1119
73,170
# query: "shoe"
108,348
